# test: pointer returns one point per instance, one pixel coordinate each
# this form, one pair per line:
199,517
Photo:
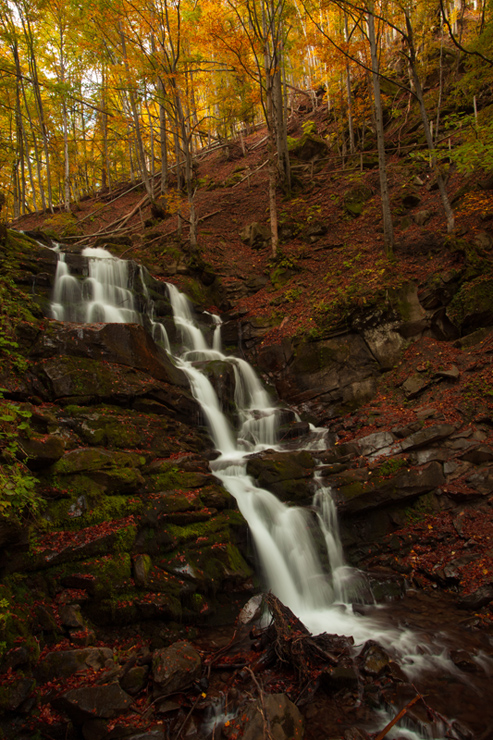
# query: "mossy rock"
308,147
311,357
210,567
131,606
472,307
91,459
355,199
61,225
287,474
174,478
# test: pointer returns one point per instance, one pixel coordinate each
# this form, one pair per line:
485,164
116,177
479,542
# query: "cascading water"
103,296
282,534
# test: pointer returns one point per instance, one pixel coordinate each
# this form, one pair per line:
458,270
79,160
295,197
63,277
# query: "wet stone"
374,658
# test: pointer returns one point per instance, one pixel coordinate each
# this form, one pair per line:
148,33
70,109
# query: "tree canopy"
105,91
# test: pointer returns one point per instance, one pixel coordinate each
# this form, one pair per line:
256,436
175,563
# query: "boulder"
309,147
375,442
426,437
355,199
15,693
287,474
364,495
273,716
256,235
415,385
42,451
93,702
64,663
83,381
330,374
175,668
123,344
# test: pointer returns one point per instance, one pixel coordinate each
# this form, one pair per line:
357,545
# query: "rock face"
335,374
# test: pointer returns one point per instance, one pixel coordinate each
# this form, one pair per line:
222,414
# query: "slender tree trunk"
33,68
388,229
449,214
348,94
136,121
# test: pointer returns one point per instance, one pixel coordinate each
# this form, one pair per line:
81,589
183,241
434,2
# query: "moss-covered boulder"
472,306
355,199
287,474
308,147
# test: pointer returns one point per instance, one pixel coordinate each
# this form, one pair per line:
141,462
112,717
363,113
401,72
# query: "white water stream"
287,551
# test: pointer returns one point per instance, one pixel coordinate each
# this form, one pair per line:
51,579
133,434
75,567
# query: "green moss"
353,489
421,508
474,298
61,225
173,478
16,616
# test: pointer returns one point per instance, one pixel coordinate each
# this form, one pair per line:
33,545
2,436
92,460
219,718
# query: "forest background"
99,93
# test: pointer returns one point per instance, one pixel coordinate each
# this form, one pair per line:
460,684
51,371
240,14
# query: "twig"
182,727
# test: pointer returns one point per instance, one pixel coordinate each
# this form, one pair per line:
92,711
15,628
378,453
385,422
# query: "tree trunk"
449,214
388,229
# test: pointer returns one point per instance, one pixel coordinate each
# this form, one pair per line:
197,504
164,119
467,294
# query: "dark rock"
482,481
93,702
329,374
287,474
478,455
256,235
355,199
415,385
452,374
42,452
339,678
405,431
15,658
274,716
314,231
15,693
295,430
479,598
65,663
44,619
175,668
135,679
410,200
421,218
373,658
428,436
375,442
309,147
70,616
363,496
123,344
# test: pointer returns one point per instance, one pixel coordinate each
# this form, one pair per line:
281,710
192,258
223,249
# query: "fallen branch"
397,717
122,221
250,174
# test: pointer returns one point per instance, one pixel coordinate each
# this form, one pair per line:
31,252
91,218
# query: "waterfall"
287,550
103,296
